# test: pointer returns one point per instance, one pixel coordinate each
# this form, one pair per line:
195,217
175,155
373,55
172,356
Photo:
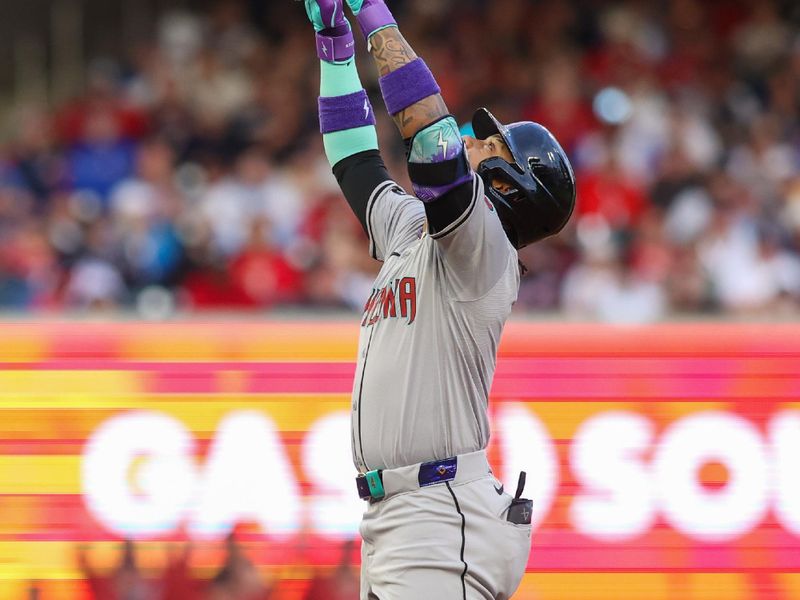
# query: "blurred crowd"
236,579
189,174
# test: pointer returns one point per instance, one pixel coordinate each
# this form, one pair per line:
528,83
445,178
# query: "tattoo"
391,51
420,115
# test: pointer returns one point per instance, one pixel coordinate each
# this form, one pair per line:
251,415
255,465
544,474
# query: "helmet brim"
485,125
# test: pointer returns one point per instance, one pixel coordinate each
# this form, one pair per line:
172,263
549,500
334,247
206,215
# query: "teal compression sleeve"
339,80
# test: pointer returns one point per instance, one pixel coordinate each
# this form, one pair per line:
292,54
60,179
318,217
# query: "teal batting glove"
326,14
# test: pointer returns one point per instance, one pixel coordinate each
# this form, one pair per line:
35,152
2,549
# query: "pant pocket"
519,549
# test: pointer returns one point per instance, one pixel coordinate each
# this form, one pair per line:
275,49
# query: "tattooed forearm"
391,51
421,114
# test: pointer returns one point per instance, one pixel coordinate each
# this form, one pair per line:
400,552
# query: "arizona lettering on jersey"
398,298
421,392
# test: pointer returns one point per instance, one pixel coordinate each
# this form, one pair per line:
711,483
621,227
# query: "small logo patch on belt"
438,471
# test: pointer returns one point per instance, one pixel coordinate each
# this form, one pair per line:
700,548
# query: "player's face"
480,150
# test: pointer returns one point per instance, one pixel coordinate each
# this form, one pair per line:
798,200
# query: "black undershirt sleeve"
358,176
447,209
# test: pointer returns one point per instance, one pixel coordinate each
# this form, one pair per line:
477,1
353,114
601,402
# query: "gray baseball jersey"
430,331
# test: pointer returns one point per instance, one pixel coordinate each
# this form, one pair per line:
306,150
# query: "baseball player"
438,523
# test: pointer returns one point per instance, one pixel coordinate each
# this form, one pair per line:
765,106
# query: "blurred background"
160,161
162,156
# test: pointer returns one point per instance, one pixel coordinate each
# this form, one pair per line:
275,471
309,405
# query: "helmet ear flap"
504,185
505,213
496,169
491,171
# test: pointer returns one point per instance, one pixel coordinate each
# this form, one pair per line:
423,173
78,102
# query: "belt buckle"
370,486
375,484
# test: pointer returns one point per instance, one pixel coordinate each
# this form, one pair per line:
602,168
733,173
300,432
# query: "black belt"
370,484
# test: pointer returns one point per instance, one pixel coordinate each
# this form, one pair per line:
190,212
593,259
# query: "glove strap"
336,45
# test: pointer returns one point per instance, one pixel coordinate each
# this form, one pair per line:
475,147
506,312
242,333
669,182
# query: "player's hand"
326,14
358,5
372,15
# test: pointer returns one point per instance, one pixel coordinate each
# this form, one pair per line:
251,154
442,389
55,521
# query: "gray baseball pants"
447,541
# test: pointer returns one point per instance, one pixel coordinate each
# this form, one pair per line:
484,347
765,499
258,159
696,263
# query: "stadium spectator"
125,582
238,579
177,581
342,583
189,167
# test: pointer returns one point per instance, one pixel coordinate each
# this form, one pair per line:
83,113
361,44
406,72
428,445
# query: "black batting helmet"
543,194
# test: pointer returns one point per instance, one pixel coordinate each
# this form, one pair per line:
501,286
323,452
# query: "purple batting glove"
372,15
335,42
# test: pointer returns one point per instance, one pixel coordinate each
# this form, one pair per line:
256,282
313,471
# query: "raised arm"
391,53
346,119
390,50
437,159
